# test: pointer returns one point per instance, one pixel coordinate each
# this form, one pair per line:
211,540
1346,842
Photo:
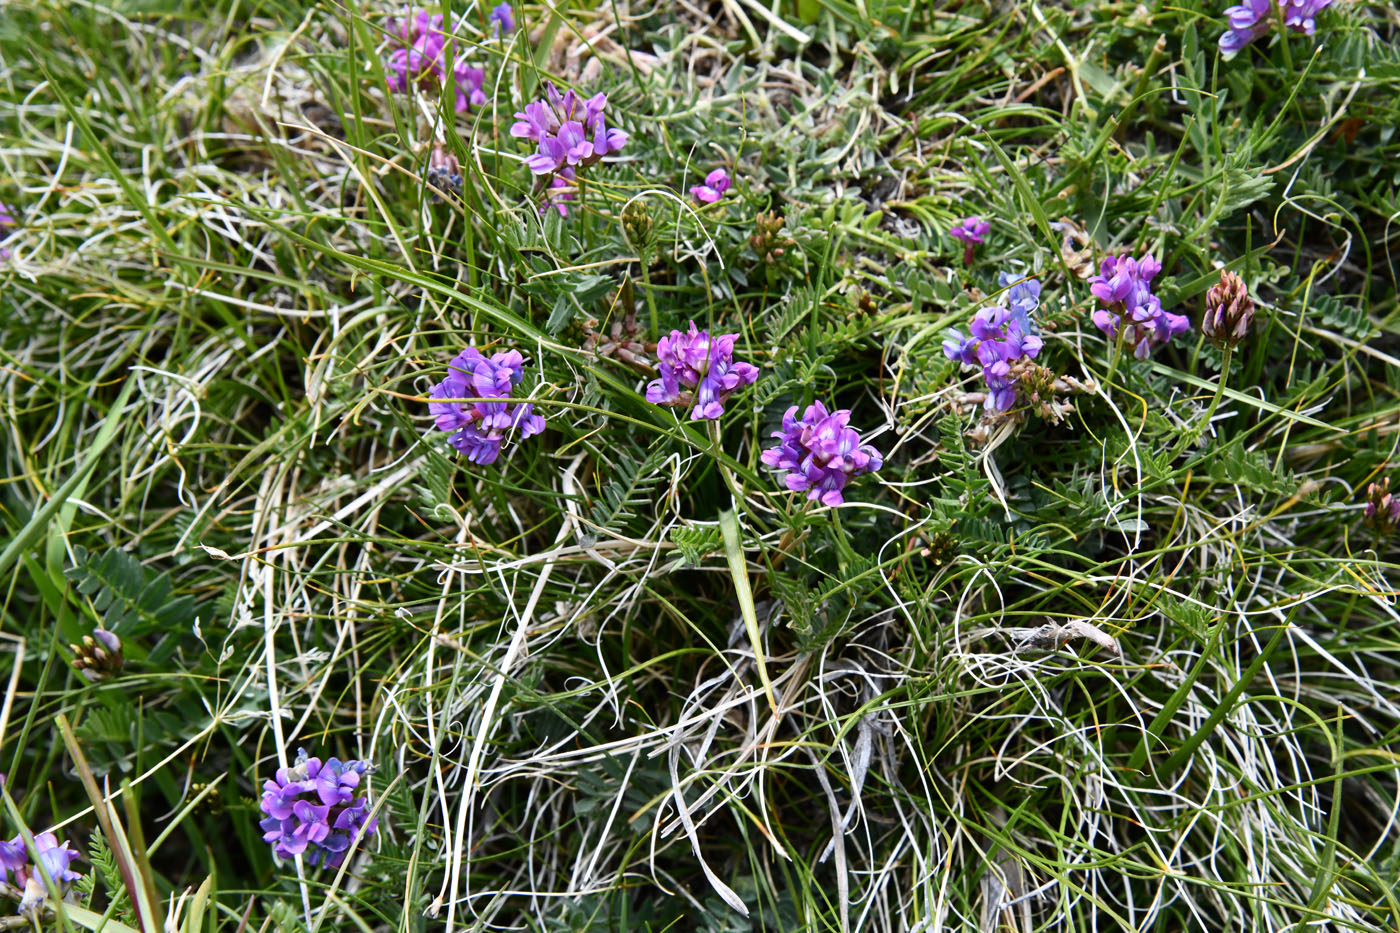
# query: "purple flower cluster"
312,809
6,220
1249,20
1000,336
1123,287
700,362
569,133
971,231
421,61
716,184
821,453
481,426
18,877
1382,512
502,18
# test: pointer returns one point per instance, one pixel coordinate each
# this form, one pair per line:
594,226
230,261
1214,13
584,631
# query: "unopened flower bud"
99,656
637,226
1229,310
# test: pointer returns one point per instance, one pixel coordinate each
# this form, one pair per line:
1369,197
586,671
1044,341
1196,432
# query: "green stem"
1190,437
645,260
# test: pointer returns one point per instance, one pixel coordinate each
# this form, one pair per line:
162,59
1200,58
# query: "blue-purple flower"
18,876
480,427
312,809
716,184
1250,19
502,17
1299,15
1123,287
821,453
698,372
998,337
971,230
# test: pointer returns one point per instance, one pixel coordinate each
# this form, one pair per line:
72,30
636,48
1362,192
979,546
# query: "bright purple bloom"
998,336
970,230
1248,21
469,82
6,220
1123,287
19,876
1298,15
421,61
1022,299
716,184
821,453
502,17
695,360
312,809
569,133
481,427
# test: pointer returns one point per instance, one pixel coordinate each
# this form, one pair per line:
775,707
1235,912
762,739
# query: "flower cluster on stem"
480,427
20,880
821,453
312,809
716,184
1382,512
1124,289
971,231
1249,19
999,337
421,61
699,372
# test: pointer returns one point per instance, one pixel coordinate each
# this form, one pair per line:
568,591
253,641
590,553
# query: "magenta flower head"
698,372
502,17
821,453
716,184
420,61
18,877
480,427
312,809
1123,288
971,231
568,132
6,220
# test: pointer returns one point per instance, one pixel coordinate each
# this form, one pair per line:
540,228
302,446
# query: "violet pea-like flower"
716,184
820,453
695,360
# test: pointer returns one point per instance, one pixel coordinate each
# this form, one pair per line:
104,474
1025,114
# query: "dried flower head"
1229,310
444,171
99,656
821,453
1382,512
312,809
695,361
480,427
